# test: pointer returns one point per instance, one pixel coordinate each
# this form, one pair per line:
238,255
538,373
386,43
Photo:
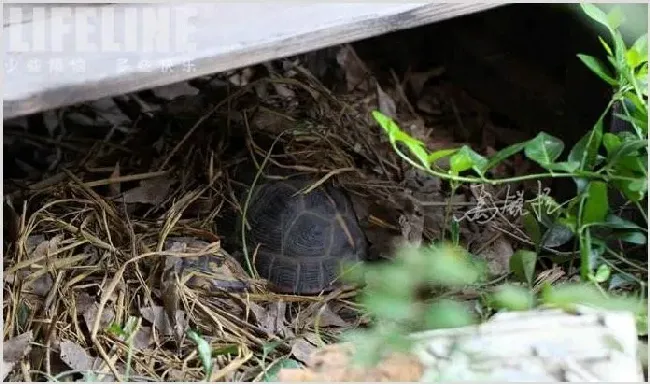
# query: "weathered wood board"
99,50
543,346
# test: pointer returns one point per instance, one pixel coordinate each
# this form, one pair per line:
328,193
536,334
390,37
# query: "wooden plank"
542,346
226,36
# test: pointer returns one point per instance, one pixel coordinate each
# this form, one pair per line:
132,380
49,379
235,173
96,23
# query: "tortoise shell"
298,241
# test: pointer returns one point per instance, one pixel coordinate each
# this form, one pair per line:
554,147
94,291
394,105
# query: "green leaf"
437,155
615,18
522,264
448,314
396,135
204,351
633,58
455,232
639,122
450,266
387,307
596,205
392,279
271,375
620,280
629,147
602,273
619,50
460,162
504,154
595,13
531,226
606,46
466,159
230,349
617,222
633,190
597,67
566,166
641,46
570,294
544,149
585,150
416,147
633,237
557,235
611,143
642,330
513,298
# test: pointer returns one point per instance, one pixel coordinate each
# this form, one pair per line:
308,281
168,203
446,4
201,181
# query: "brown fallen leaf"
334,363
302,349
115,188
385,103
241,77
172,91
272,319
157,316
13,350
84,302
75,356
36,279
328,318
496,253
152,191
143,339
91,314
356,72
106,109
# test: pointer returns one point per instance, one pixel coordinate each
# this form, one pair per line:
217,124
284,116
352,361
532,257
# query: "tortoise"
299,241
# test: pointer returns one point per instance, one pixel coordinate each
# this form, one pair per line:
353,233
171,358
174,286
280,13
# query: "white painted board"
219,37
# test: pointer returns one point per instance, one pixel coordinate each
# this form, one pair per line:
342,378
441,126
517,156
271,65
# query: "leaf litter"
124,225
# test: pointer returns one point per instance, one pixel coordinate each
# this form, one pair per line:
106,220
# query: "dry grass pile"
107,207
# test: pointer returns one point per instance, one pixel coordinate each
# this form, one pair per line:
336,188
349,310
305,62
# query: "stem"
466,179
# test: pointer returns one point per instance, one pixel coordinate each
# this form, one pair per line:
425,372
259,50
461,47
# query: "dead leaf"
416,80
110,112
412,226
241,78
51,121
386,104
156,315
81,119
333,363
42,286
270,121
75,356
271,319
172,91
356,73
284,91
13,350
176,375
211,272
115,188
143,339
302,350
84,302
328,318
152,191
497,254
91,314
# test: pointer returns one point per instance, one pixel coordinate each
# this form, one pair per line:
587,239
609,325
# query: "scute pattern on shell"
300,240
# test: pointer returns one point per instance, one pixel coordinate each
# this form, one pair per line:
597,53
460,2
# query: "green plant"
599,161
596,162
395,297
